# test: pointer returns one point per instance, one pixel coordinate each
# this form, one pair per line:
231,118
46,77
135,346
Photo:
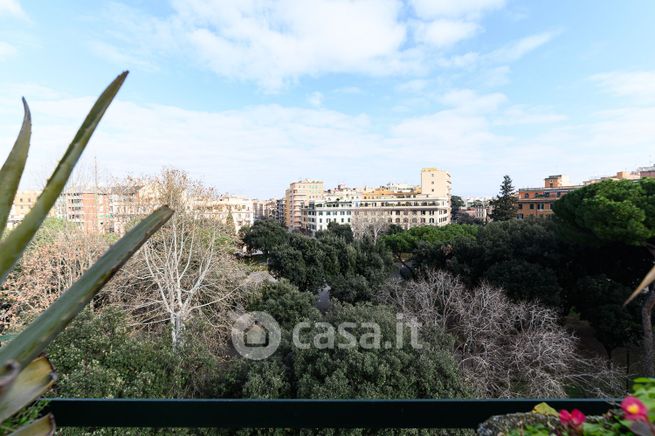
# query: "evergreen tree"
229,224
505,204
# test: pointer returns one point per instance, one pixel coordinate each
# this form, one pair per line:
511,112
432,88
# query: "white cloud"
278,42
520,48
413,86
348,90
444,33
315,99
470,101
451,8
12,8
6,50
275,44
521,114
120,57
639,85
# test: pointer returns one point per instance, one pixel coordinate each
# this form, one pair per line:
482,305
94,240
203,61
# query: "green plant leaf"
36,337
12,170
544,409
43,426
647,281
31,383
14,244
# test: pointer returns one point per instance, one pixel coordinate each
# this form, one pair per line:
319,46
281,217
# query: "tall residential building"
538,202
300,193
435,183
279,210
90,209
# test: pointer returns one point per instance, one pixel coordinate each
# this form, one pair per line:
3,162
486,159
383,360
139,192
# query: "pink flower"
573,419
634,409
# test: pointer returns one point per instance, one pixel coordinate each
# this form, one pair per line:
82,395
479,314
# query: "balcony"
313,414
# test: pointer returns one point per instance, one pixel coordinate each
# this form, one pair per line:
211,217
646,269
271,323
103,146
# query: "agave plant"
25,374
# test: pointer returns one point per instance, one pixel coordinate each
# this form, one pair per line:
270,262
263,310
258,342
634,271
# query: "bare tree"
373,226
187,268
505,349
56,258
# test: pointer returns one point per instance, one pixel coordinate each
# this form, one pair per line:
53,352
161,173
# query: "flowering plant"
636,415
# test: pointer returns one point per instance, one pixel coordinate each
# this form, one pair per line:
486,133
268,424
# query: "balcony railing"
313,414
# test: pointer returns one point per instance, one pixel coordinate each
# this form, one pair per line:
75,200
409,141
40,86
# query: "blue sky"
250,95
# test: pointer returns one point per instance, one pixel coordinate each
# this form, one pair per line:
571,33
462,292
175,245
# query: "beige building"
299,194
264,209
424,205
239,208
435,183
23,203
620,175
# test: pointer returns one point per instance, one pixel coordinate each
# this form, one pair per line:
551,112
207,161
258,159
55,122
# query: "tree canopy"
610,211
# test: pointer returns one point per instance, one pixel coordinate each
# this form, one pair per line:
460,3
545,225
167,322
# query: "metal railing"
243,413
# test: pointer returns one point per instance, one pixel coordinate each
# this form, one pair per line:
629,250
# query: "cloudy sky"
249,95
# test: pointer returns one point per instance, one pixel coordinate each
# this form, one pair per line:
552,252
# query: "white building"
318,214
427,204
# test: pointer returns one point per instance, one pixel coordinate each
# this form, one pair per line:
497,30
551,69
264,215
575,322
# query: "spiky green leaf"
36,337
44,426
12,170
646,282
32,382
14,244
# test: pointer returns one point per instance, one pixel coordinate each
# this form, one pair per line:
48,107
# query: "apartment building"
401,204
241,209
279,210
89,209
298,195
538,202
264,209
318,214
427,204
23,203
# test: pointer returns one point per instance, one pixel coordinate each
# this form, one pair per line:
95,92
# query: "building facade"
90,210
538,202
279,210
298,195
240,210
318,214
427,204
264,209
23,203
